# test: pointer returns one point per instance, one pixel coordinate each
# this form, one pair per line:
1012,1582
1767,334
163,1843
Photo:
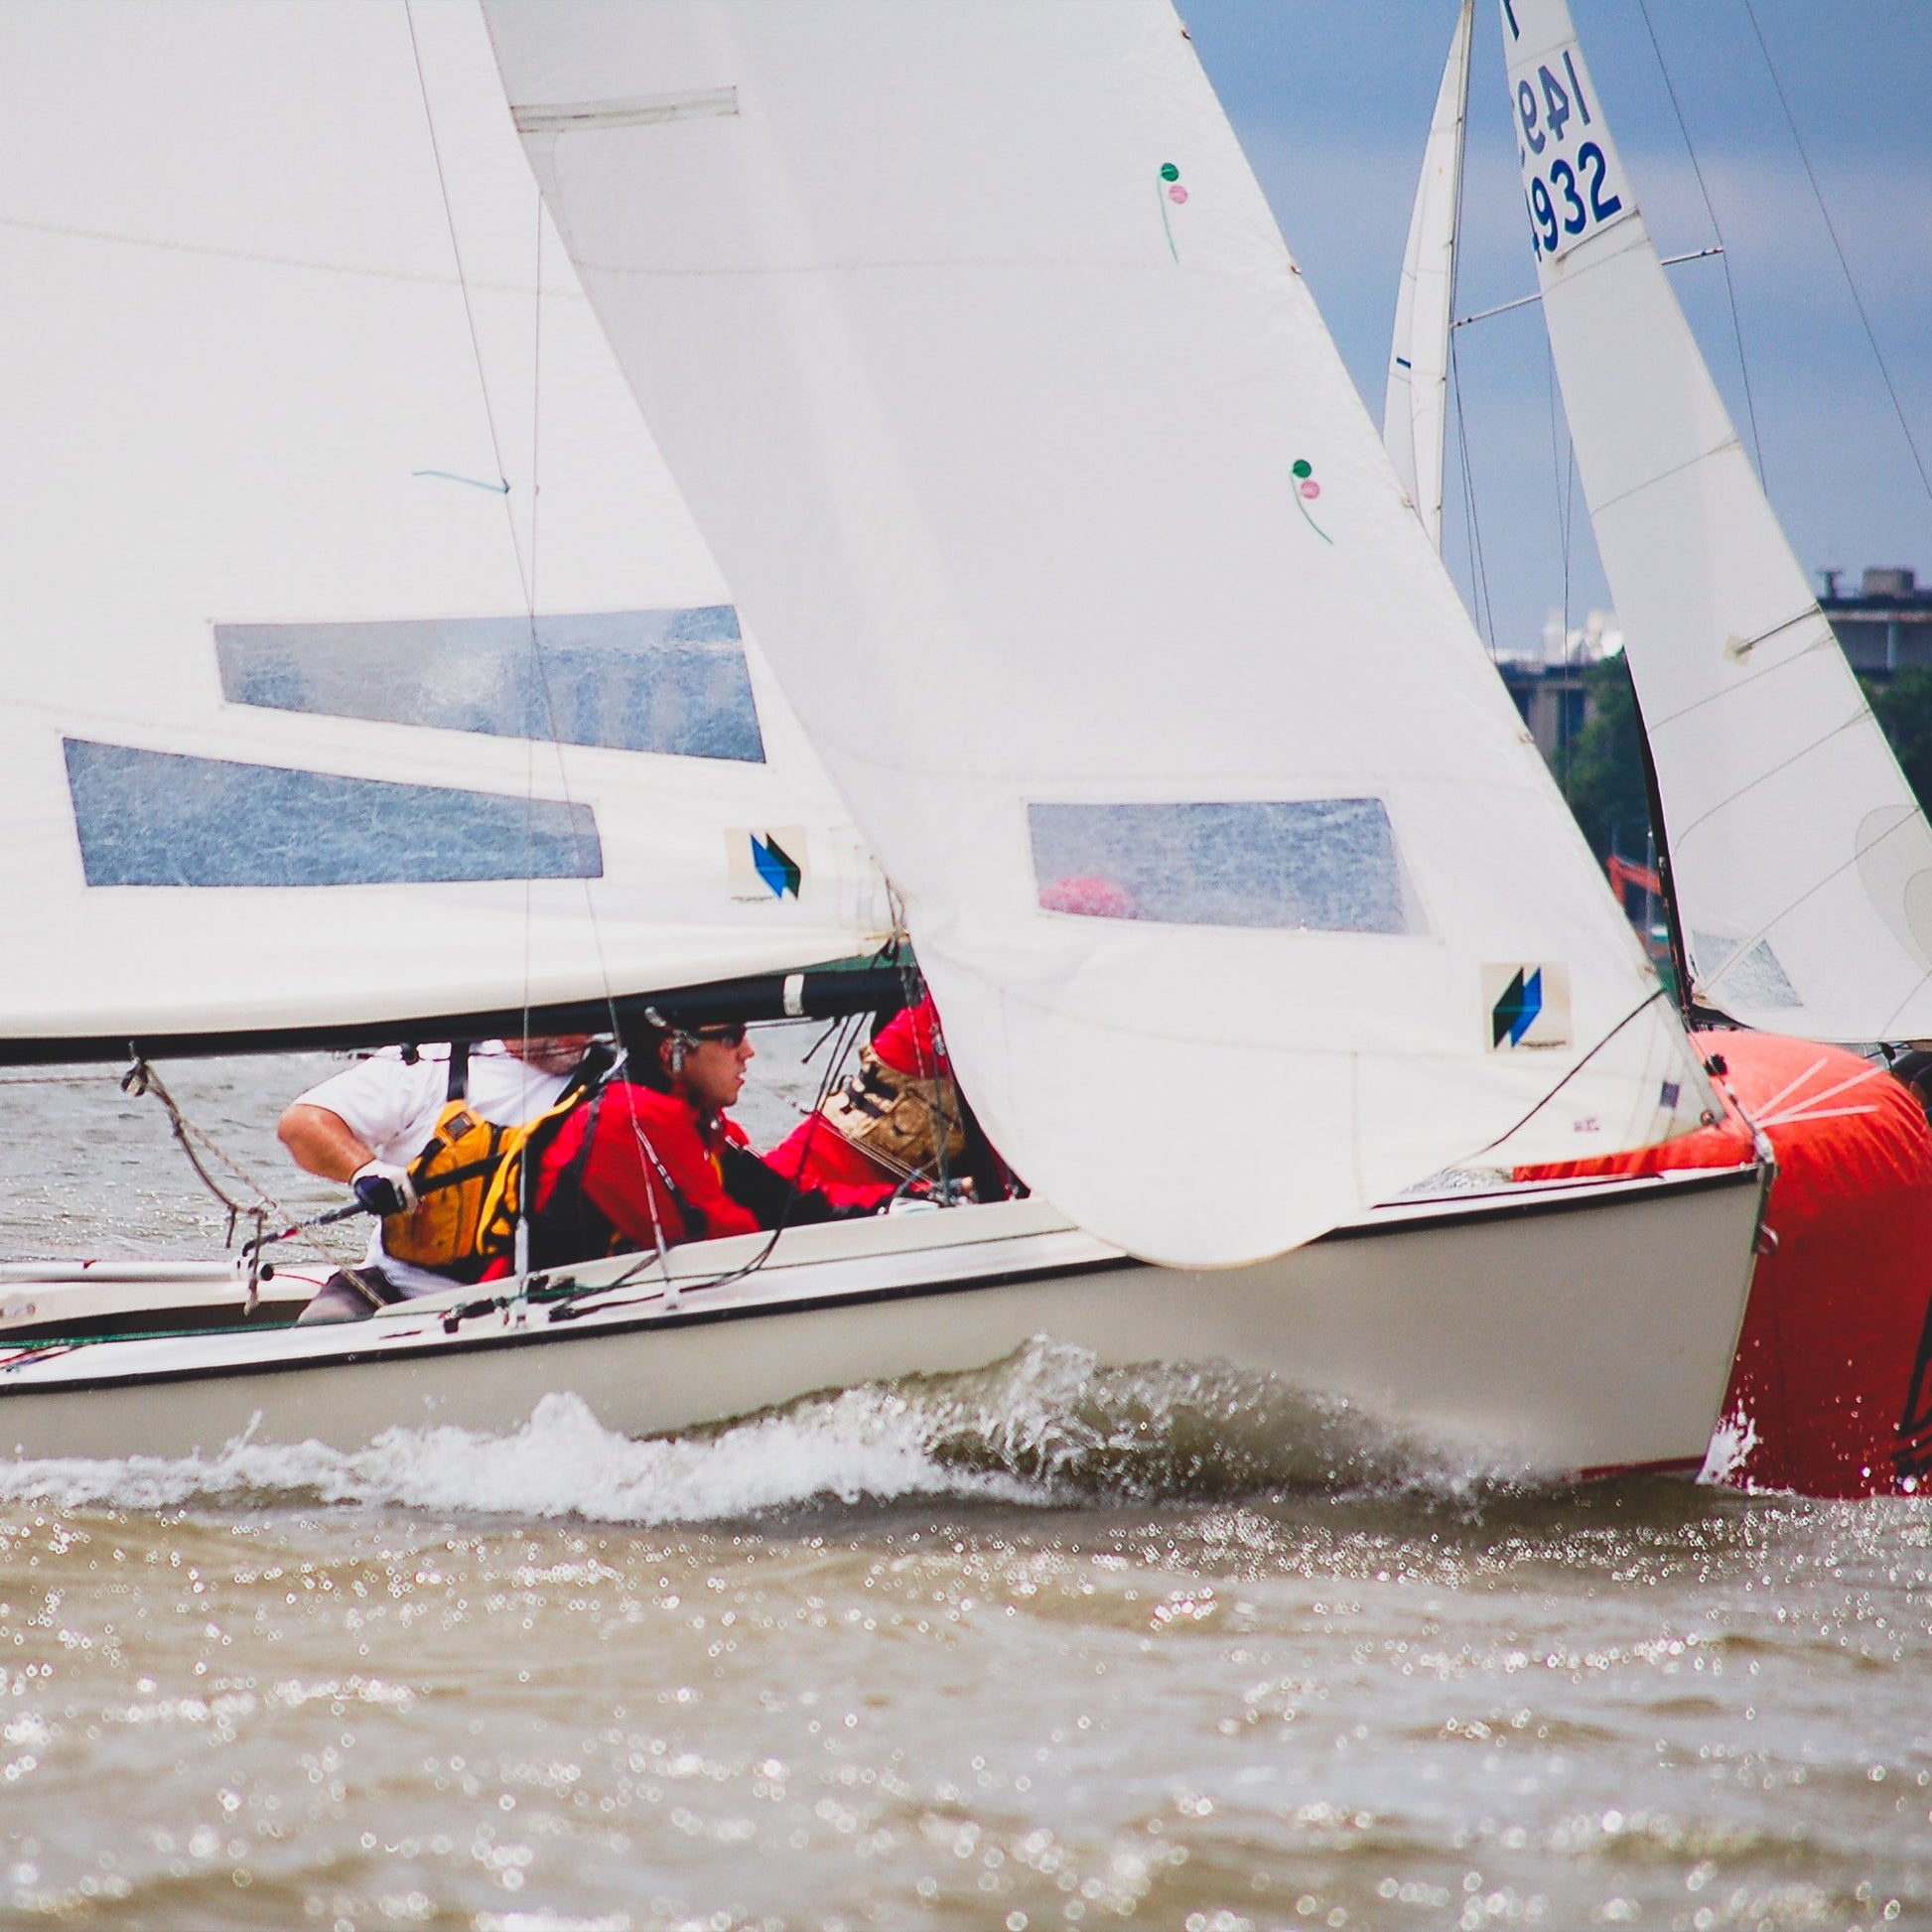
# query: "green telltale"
1304,468
1169,172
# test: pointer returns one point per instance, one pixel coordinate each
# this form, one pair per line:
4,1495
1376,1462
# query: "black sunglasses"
730,1034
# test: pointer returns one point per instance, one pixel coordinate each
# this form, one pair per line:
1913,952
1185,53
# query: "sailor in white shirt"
365,1124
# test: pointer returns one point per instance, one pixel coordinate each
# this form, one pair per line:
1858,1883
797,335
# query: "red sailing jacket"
623,1180
654,1167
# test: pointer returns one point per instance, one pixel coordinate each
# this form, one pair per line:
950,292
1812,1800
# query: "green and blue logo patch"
1526,1006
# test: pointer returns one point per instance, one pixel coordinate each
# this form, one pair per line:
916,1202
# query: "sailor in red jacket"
899,1118
654,1161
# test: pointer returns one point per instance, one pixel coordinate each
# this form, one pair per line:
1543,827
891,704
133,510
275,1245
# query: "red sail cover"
1831,1393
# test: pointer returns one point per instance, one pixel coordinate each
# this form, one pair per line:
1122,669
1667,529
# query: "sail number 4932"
1566,173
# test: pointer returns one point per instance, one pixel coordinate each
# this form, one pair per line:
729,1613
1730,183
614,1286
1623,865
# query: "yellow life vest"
510,1197
468,1178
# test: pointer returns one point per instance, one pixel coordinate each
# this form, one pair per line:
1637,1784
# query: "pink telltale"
1310,490
1177,192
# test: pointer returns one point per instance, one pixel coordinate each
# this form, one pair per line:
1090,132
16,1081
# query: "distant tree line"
1601,772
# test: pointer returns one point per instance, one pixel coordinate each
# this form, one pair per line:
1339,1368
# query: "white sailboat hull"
1580,1329
40,1299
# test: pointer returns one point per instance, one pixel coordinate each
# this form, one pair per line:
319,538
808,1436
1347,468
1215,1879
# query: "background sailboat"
1801,862
1827,1393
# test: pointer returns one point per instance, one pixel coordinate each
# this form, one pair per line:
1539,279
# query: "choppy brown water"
1037,1647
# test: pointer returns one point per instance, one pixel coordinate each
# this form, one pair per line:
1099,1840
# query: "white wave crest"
1044,1426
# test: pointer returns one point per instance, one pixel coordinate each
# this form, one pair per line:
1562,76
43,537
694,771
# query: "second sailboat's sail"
973,344
1802,862
1415,410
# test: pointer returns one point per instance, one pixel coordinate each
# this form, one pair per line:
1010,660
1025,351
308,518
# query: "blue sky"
1332,99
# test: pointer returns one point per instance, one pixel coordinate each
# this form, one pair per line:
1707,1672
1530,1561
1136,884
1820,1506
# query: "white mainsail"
269,745
1801,861
1415,413
973,345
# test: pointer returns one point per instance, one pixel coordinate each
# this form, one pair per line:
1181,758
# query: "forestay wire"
526,563
1844,266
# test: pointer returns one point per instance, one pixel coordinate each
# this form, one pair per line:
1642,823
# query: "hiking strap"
458,1087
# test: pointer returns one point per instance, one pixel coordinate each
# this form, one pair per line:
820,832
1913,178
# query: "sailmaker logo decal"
768,863
1526,1006
776,867
1515,1013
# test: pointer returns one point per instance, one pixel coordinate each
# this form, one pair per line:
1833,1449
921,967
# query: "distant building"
1882,627
1553,700
1548,686
1887,626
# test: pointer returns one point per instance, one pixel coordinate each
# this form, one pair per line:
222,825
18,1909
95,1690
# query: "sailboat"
986,471
1801,862
1793,840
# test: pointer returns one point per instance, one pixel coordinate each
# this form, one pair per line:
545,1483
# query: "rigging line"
141,1078
536,646
1731,288
538,662
526,568
1485,609
1636,1012
849,1027
359,270
1465,19
1838,246
1563,454
456,249
1911,992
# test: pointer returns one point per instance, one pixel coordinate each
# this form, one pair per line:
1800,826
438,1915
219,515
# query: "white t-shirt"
391,1107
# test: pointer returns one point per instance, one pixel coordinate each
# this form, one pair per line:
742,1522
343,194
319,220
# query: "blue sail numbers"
1573,184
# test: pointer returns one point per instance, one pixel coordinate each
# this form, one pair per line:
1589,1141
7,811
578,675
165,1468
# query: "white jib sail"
269,738
1415,412
974,346
1802,864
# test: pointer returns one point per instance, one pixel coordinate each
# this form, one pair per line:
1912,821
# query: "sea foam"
1045,1427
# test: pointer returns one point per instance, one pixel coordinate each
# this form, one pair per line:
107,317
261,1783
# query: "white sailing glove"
383,1187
